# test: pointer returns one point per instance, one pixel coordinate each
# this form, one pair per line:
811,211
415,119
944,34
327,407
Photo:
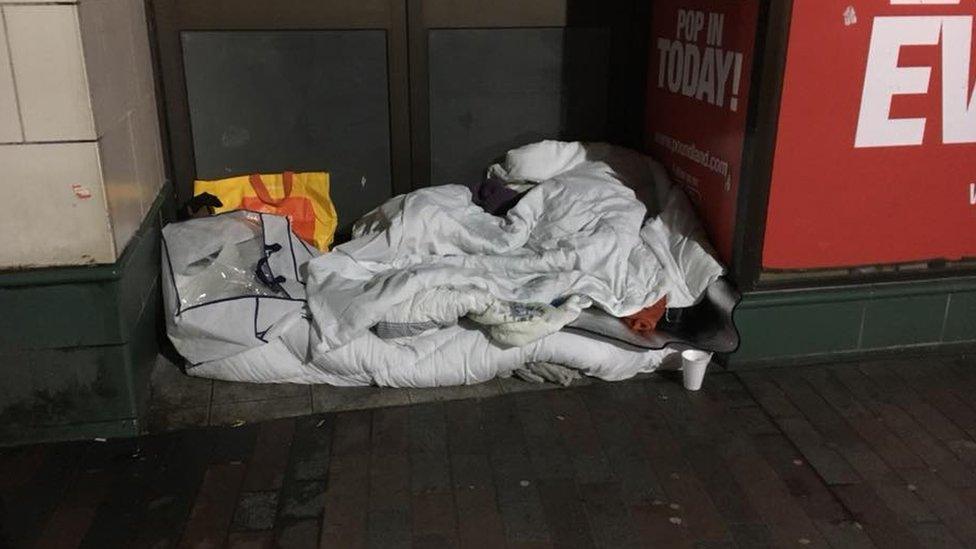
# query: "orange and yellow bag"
302,197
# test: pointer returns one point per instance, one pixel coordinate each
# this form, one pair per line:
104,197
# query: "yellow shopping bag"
301,197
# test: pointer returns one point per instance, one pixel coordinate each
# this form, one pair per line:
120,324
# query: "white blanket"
580,231
432,256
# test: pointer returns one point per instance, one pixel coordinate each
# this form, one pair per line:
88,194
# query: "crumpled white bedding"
432,256
579,231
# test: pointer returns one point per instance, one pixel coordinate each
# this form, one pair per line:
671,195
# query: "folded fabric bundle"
646,320
541,372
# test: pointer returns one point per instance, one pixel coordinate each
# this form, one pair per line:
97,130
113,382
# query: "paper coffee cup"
693,366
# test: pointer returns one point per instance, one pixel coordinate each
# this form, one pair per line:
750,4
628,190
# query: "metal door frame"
172,17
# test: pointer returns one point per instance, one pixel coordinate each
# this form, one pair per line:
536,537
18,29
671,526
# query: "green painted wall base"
77,345
829,324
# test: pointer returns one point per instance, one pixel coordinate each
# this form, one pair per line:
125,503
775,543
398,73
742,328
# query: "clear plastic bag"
230,272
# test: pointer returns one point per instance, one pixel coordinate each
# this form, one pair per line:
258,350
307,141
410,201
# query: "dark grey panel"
270,101
495,89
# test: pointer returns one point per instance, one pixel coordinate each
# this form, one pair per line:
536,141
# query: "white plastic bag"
230,281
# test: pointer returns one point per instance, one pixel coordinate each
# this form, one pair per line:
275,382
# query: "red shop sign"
875,159
697,101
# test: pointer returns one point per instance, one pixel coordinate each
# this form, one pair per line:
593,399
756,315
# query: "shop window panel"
495,89
269,101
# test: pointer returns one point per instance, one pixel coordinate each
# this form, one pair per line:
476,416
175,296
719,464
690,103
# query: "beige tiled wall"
49,72
56,209
116,45
76,91
10,128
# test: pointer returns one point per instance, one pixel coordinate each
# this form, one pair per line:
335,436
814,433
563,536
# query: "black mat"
707,326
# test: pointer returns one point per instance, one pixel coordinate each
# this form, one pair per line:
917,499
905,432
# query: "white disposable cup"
693,366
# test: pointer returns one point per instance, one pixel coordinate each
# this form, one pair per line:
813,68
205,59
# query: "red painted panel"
697,100
876,150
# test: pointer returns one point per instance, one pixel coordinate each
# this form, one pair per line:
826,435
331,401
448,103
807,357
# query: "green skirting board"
780,328
77,344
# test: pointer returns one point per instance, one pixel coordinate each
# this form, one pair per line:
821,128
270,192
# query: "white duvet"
433,258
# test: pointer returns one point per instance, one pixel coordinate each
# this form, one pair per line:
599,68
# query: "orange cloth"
646,319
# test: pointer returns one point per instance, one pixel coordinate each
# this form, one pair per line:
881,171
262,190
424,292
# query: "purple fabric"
493,196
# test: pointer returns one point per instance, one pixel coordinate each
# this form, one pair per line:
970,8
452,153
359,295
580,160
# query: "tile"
173,419
142,50
106,29
961,318
309,455
255,511
389,528
231,391
120,74
171,388
255,411
49,71
895,322
298,535
769,332
72,519
10,130
250,540
122,189
508,385
147,150
213,509
54,223
435,521
269,457
312,469
439,394
234,445
303,499
64,386
328,398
